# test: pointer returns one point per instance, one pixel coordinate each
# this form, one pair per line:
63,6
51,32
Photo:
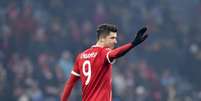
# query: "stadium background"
39,40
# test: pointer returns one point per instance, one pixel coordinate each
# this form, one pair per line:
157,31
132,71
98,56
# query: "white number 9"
87,73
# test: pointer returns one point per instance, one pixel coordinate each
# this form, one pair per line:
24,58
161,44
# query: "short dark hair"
105,29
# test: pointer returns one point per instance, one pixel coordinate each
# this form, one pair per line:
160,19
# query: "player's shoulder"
88,50
100,47
88,53
94,49
107,49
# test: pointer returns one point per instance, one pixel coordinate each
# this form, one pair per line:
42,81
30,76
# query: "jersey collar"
97,46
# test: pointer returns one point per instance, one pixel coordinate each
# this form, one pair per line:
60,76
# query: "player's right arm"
74,77
122,50
68,87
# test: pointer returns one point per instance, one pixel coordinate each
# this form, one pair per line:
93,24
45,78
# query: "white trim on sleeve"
111,62
74,73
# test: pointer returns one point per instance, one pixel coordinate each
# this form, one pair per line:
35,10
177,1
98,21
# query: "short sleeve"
76,70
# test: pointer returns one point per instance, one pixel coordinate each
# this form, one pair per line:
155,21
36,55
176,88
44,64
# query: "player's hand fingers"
141,32
145,36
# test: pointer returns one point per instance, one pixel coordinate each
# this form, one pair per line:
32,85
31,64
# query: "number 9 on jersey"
87,73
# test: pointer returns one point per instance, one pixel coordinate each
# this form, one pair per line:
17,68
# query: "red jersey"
95,71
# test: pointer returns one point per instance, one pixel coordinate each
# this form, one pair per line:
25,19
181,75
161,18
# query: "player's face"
111,40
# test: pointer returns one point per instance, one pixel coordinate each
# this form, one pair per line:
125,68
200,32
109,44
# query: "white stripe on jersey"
111,62
74,73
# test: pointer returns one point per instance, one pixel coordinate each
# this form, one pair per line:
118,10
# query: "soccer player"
94,65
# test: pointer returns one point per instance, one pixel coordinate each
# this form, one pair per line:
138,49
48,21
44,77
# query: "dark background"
39,40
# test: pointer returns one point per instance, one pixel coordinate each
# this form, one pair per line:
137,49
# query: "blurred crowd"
39,40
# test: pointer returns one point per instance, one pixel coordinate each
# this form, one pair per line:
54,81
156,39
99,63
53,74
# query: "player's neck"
99,43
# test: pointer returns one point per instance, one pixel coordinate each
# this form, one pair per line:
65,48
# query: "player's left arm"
122,50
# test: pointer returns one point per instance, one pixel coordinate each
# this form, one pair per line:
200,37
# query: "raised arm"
122,50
